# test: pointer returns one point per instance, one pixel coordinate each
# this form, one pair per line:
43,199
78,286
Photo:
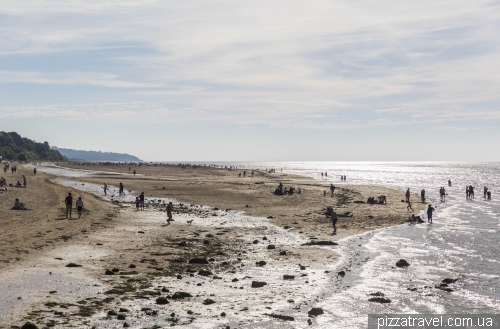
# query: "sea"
462,243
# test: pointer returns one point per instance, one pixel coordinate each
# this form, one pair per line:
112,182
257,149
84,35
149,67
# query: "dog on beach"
190,221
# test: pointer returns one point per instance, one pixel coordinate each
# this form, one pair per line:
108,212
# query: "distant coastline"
82,155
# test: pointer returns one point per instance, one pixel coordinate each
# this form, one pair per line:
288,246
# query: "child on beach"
79,206
137,203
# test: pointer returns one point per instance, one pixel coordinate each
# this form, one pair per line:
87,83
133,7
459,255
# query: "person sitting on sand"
382,199
170,208
18,184
18,205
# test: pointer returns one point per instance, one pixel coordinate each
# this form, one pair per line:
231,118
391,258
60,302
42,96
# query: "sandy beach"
228,231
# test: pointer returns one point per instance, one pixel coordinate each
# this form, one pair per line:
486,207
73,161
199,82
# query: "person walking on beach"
471,191
120,191
333,218
34,171
430,209
407,196
79,206
170,207
485,191
141,199
332,189
449,182
69,204
105,188
467,193
324,193
422,195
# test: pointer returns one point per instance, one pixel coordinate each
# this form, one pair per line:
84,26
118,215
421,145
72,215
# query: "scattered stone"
449,280
291,301
162,300
179,277
112,313
255,241
121,317
223,314
51,304
283,253
211,260
381,300
204,272
123,310
315,311
190,312
320,243
126,325
206,242
258,284
341,274
132,266
271,246
270,217
281,317
412,289
73,265
164,290
116,270
235,280
309,322
286,227
198,261
29,325
302,268
208,301
377,294
264,238
402,263
288,277
140,232
260,263
181,294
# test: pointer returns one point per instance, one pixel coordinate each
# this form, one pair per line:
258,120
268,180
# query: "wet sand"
232,231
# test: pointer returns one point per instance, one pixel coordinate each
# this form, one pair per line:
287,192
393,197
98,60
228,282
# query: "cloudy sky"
255,80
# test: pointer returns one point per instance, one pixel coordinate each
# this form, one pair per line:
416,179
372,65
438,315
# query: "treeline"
79,155
15,147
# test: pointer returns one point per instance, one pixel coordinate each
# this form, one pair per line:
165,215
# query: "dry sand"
112,235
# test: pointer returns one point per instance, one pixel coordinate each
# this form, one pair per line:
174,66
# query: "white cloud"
284,63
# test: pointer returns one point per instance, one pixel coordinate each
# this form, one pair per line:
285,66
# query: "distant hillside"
78,155
15,147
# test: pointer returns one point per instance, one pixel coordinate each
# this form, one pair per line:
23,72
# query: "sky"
192,80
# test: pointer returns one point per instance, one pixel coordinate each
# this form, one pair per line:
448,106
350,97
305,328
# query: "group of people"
487,193
245,173
281,190
3,183
69,205
469,192
442,193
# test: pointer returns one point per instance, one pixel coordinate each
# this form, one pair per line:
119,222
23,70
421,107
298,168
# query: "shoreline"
309,223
